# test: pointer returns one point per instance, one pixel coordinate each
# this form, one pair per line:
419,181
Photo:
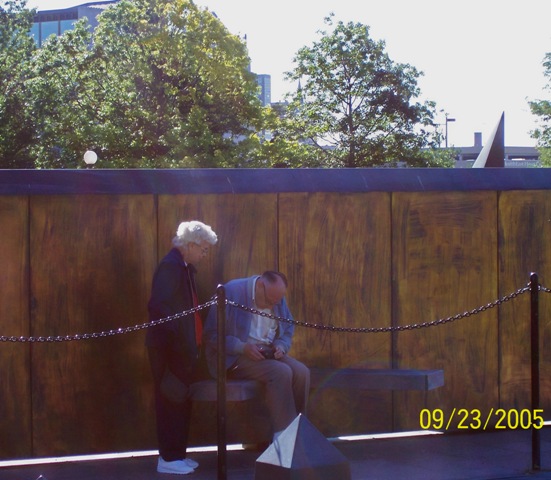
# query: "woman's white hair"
194,232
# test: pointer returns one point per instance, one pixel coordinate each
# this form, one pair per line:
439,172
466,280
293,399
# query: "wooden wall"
445,247
82,262
15,362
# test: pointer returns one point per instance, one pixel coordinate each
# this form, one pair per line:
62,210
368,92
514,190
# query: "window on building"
47,29
65,25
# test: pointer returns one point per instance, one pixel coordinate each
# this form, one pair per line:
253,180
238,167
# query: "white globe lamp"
90,157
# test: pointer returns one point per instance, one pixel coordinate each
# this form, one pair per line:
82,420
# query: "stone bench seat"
236,390
352,378
355,378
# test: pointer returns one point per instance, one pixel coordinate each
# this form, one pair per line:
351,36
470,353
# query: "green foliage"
184,95
62,100
16,48
163,84
542,108
356,106
545,156
158,84
276,150
438,157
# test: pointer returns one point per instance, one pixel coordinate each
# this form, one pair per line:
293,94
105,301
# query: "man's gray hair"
194,232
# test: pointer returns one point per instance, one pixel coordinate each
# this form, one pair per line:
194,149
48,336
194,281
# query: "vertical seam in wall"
392,301
393,287
30,302
278,263
498,249
156,213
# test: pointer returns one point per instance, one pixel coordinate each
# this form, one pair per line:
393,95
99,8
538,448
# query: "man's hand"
279,352
253,352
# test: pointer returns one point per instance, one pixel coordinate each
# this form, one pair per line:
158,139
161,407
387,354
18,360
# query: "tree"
62,99
16,49
159,83
180,91
355,106
274,149
542,108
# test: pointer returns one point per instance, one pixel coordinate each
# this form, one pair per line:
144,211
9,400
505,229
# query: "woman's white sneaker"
177,467
192,463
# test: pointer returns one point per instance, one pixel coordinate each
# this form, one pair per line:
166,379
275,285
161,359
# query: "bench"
246,415
356,378
352,378
236,390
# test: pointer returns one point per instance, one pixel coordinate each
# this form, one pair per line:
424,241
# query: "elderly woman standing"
174,346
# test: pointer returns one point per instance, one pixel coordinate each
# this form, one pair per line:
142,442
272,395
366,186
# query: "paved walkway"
465,456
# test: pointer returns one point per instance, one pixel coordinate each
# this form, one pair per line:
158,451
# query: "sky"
479,58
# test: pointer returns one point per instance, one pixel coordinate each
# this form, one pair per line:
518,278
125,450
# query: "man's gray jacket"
238,324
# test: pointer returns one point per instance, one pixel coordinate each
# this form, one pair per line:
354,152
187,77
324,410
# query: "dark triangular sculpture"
493,153
302,453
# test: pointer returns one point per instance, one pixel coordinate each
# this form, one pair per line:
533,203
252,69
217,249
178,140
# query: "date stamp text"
475,419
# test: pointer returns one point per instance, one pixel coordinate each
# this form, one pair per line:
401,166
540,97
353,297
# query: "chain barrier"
109,333
317,326
399,328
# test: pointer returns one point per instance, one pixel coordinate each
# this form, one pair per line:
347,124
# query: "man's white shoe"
191,463
177,467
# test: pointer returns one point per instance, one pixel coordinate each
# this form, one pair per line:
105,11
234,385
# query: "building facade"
55,22
265,83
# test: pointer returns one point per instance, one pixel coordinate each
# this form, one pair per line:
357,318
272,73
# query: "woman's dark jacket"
171,293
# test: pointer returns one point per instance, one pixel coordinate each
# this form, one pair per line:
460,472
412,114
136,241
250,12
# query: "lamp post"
90,158
448,119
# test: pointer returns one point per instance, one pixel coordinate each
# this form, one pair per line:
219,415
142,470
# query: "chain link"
400,328
317,326
109,333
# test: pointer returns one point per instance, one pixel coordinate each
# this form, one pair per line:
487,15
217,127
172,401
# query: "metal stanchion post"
535,366
221,382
